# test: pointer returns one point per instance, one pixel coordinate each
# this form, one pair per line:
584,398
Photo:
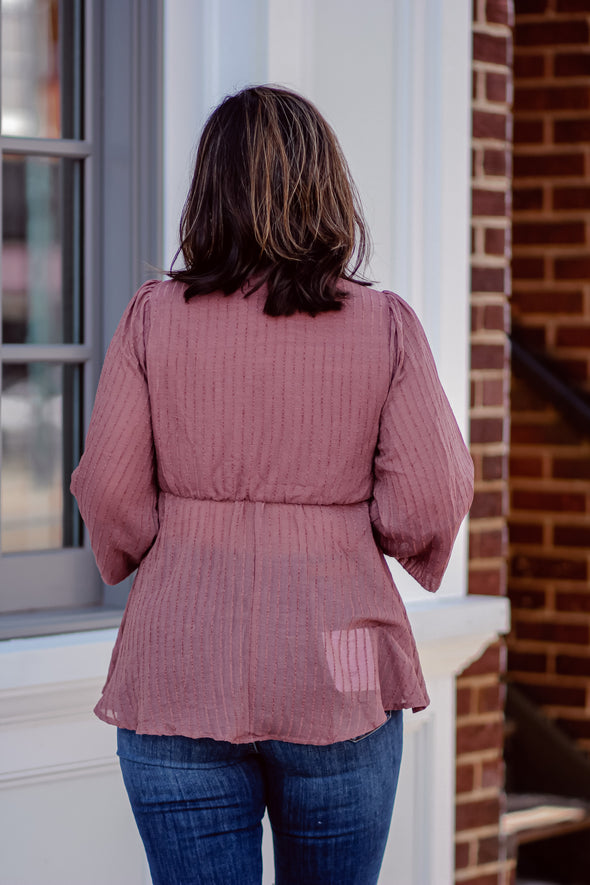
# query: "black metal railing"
540,372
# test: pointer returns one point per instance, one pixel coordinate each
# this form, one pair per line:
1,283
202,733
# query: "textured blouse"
255,470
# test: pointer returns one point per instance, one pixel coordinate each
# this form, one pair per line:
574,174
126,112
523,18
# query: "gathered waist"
259,501
277,527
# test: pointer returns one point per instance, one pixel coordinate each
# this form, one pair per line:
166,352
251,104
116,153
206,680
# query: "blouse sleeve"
115,483
423,472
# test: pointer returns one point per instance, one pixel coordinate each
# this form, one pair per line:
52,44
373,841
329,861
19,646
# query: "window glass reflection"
39,419
41,248
41,68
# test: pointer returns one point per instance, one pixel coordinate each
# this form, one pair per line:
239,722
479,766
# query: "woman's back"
274,409
252,463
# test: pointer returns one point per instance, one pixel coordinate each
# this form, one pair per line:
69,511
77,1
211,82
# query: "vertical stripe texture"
255,470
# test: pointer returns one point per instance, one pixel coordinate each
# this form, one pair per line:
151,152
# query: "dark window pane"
42,68
40,418
41,250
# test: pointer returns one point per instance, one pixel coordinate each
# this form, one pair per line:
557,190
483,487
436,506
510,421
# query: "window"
80,102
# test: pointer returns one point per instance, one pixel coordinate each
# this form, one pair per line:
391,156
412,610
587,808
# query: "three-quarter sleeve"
423,472
115,483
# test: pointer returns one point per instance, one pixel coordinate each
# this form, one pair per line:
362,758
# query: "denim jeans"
199,804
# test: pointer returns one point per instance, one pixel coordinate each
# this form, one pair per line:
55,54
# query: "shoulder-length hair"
271,201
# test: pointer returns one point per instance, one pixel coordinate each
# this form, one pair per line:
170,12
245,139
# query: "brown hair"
271,200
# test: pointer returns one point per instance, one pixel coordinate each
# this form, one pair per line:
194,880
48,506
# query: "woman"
266,427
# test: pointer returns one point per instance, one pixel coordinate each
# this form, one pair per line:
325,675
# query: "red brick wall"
550,462
480,853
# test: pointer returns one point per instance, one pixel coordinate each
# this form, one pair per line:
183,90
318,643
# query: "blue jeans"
199,804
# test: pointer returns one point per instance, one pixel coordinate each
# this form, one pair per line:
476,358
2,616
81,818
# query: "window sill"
49,623
451,633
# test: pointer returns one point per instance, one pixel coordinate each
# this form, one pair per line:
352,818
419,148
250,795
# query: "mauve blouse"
254,470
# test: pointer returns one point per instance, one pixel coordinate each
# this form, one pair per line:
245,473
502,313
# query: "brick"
556,694
572,665
527,599
488,279
538,233
495,242
573,370
571,468
525,398
572,64
494,467
488,662
528,131
555,502
492,773
461,855
499,12
571,131
489,850
493,391
526,198
480,736
527,66
489,125
463,700
531,7
496,87
571,536
476,317
576,728
528,268
487,504
573,602
527,662
571,197
488,356
550,33
465,778
472,815
531,337
496,316
548,165
487,202
560,434
495,162
526,465
490,698
486,545
551,568
491,48
544,632
573,336
554,98
487,430
573,5
487,582
570,302
525,533
575,268
482,879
